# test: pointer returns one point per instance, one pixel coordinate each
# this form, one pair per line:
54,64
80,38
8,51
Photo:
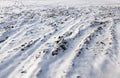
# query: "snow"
59,39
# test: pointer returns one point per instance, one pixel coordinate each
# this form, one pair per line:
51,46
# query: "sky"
61,2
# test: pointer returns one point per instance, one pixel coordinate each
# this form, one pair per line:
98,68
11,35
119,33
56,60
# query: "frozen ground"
47,41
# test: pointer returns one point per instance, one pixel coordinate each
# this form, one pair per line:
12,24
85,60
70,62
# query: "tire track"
69,29
17,56
84,57
60,60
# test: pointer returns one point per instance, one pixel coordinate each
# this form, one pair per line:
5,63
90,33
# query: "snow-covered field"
58,41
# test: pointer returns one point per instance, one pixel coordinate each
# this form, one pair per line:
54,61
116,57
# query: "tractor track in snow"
68,43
